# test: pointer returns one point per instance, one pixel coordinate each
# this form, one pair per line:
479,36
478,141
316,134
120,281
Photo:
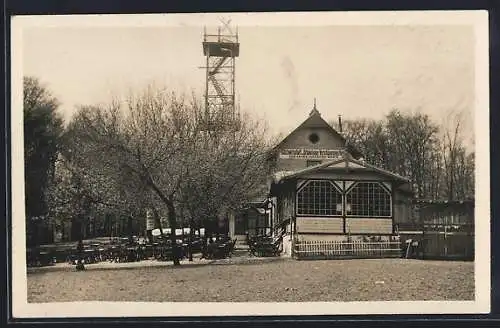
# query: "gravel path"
276,280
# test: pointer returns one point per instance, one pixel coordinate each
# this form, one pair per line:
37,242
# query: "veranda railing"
343,249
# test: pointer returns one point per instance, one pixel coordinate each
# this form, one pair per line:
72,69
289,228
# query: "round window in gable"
313,138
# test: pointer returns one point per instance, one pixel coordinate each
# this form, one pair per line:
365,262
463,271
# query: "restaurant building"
321,189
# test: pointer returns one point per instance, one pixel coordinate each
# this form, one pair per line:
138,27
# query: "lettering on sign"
150,224
328,225
310,153
150,221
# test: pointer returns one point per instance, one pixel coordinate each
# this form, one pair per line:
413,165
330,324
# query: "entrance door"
258,223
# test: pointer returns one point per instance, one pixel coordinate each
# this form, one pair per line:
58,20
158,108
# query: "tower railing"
220,51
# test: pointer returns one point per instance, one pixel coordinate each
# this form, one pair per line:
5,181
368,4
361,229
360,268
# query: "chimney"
340,123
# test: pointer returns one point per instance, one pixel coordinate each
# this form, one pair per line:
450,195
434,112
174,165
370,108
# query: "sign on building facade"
310,153
150,222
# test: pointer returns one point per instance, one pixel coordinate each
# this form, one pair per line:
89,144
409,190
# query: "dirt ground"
278,280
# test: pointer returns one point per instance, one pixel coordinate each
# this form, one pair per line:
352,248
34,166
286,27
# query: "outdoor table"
44,258
61,254
196,245
131,254
101,252
148,251
88,255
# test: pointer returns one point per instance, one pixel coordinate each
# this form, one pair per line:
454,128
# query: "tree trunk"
80,265
130,226
172,220
191,236
35,233
158,222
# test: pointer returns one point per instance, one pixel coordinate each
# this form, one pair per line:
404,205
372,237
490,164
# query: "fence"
448,245
343,249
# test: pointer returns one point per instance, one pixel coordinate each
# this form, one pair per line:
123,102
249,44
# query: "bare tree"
407,144
458,164
414,138
370,138
410,145
139,145
155,143
228,169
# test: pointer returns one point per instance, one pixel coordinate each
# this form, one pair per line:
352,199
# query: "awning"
350,163
178,232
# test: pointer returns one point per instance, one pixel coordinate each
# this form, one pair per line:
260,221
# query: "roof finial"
314,110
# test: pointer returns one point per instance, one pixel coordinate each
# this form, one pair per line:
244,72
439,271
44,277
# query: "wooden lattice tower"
221,51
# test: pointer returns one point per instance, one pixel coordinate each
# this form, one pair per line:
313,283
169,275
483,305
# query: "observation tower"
220,50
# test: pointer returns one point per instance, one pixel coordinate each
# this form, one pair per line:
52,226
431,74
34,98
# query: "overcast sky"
355,71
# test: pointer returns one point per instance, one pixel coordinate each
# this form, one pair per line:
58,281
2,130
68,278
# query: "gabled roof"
313,121
346,159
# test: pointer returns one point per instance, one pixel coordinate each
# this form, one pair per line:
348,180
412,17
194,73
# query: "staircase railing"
219,63
280,230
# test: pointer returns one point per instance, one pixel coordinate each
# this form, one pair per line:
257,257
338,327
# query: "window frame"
313,138
337,188
381,185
